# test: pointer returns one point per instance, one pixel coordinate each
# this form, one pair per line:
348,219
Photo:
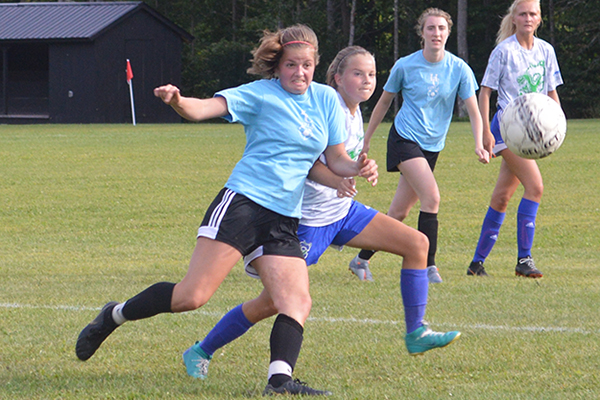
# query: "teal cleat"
196,361
424,339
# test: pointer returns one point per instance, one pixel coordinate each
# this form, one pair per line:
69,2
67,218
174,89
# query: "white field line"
367,321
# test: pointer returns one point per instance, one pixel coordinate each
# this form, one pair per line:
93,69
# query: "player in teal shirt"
429,92
429,81
289,122
272,170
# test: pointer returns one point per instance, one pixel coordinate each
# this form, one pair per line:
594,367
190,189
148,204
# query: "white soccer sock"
279,367
117,314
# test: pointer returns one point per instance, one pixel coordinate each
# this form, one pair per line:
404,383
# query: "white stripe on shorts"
250,270
210,231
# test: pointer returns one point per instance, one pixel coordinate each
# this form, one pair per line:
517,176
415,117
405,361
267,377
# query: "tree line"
226,31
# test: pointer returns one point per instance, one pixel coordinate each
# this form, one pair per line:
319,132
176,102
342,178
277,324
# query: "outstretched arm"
477,128
191,108
381,108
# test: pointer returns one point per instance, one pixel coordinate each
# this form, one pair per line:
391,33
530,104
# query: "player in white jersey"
331,218
519,64
289,121
429,80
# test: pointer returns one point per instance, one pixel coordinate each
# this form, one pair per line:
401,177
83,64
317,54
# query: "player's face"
296,69
357,83
527,18
435,33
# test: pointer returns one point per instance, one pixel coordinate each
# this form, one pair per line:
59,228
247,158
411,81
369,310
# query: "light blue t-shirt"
429,92
285,134
513,70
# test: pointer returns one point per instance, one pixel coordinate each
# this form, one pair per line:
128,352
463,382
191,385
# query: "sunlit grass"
92,213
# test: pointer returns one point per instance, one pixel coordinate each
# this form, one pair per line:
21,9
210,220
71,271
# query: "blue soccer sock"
233,325
526,226
489,234
414,286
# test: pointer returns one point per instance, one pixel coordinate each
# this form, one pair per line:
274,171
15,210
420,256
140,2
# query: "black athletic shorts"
400,149
234,219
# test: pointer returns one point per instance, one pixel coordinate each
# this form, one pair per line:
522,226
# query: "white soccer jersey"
513,70
320,204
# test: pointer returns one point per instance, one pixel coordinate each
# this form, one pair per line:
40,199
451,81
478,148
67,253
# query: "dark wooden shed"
66,62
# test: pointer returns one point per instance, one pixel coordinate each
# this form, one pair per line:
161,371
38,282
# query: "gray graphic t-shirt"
514,71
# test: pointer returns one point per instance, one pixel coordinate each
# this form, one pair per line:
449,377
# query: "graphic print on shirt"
434,88
306,129
532,81
305,247
355,152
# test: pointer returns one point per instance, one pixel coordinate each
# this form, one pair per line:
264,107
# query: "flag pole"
130,83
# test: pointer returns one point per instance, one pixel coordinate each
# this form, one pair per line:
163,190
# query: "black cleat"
525,267
92,336
476,269
294,387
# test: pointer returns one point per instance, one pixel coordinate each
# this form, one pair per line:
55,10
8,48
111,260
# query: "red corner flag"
129,72
129,78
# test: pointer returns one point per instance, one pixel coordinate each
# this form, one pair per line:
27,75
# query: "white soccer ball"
533,126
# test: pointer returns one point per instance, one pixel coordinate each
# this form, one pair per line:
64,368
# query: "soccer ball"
533,126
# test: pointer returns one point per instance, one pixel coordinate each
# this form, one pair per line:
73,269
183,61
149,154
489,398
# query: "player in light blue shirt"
429,92
330,217
315,121
520,63
429,81
289,122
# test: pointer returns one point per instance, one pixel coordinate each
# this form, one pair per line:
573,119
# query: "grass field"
92,213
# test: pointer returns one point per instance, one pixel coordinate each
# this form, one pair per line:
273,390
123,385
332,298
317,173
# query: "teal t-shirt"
285,134
429,92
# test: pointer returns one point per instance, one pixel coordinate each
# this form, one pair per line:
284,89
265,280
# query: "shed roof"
70,21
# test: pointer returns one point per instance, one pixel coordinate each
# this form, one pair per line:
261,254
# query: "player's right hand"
347,188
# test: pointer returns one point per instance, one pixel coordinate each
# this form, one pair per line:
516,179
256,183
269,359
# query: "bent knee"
399,214
418,246
188,301
421,242
297,307
431,203
500,201
535,192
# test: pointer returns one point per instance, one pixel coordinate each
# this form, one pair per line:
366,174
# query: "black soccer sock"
428,224
154,300
286,341
366,254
